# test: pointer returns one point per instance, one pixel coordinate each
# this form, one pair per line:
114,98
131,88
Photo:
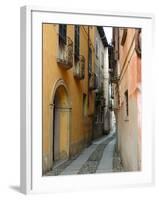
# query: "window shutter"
138,42
62,34
77,42
90,60
124,36
116,40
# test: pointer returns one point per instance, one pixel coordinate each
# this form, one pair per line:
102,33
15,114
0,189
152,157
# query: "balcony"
102,102
93,81
65,53
114,78
113,106
79,68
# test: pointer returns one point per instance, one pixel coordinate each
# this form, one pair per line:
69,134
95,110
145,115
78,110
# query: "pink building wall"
129,126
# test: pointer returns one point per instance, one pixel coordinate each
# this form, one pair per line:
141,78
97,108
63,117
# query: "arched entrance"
60,121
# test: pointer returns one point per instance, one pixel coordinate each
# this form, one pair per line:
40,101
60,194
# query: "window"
102,85
138,42
116,43
124,35
126,104
102,116
97,47
102,64
62,34
90,60
85,105
77,43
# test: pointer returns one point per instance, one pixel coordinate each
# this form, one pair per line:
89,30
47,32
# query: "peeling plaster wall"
80,129
129,127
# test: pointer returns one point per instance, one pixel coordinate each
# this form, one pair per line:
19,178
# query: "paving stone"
106,162
90,160
91,165
117,163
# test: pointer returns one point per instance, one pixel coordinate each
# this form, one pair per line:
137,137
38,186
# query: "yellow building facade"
68,98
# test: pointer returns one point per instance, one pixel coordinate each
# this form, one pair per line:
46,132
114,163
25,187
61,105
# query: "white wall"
107,116
98,62
106,76
9,101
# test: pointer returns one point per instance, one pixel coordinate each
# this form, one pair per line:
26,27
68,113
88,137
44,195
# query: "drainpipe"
117,113
88,65
88,83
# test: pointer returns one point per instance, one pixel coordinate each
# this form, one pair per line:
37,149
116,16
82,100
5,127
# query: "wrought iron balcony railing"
113,106
93,81
79,68
114,78
102,101
65,52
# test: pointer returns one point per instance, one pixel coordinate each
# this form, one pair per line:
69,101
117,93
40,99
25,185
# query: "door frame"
59,83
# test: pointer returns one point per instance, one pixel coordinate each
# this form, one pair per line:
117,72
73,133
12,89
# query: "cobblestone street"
99,157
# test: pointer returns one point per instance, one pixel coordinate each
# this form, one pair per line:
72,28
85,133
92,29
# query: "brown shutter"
138,42
124,36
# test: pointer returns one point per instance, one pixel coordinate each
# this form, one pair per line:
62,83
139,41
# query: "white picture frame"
31,105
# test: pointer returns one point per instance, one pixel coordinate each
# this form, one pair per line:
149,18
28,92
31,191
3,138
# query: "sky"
108,33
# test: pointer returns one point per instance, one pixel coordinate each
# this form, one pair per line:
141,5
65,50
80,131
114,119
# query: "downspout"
88,66
91,137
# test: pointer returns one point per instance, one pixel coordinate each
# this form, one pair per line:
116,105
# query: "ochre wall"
80,127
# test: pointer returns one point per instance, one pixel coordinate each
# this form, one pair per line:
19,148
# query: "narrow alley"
91,99
97,158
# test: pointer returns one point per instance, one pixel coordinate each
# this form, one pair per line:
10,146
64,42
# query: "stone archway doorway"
61,115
